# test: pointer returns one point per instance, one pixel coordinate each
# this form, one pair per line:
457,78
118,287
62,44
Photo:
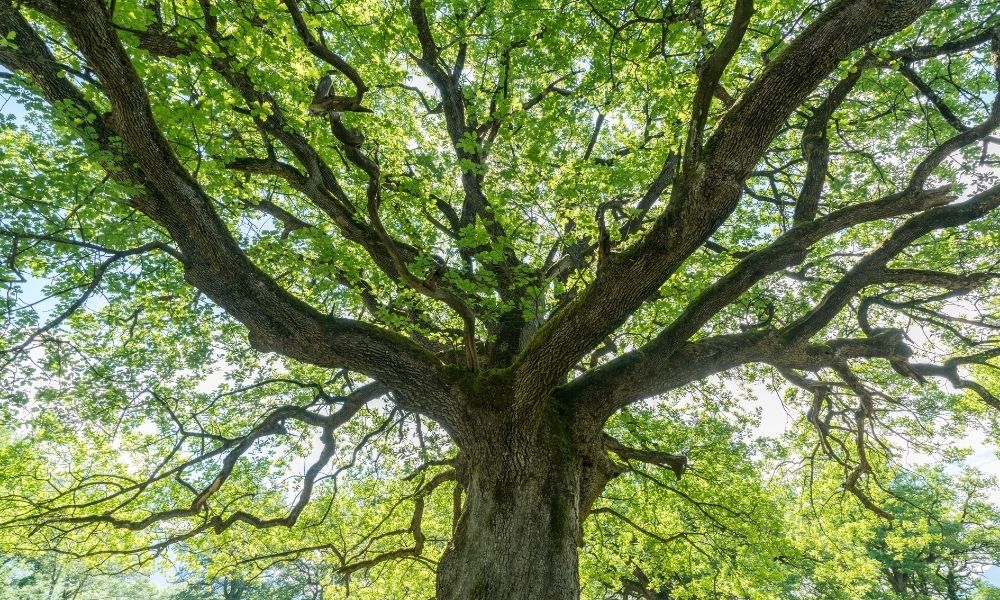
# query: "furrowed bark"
528,489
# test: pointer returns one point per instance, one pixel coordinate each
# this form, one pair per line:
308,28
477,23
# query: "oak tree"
497,228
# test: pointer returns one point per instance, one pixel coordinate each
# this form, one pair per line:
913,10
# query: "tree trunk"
518,533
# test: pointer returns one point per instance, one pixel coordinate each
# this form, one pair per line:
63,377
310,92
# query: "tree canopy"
472,298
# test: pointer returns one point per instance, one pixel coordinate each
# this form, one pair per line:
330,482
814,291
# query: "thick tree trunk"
516,539
518,533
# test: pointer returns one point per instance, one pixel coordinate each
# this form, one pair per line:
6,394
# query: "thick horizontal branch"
917,53
949,370
643,374
675,462
791,247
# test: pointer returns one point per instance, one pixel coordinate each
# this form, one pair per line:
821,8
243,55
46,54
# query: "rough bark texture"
516,537
528,490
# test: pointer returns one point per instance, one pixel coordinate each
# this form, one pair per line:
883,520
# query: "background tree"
47,578
296,580
492,232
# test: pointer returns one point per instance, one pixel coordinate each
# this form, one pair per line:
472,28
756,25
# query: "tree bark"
526,496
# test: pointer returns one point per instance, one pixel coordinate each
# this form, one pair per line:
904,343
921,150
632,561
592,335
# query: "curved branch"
790,247
675,462
95,282
816,146
276,320
321,51
868,268
707,194
708,80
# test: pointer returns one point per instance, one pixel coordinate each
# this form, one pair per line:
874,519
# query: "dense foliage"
475,298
